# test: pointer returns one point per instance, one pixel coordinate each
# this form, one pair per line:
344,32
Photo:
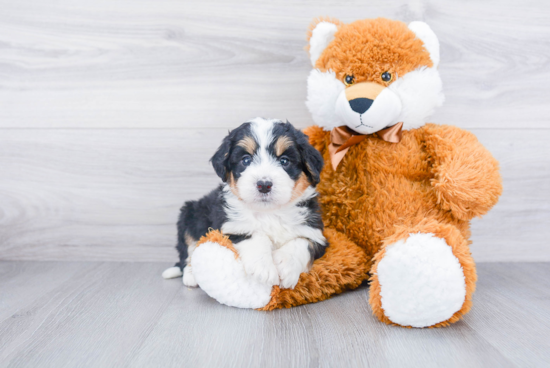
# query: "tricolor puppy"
267,204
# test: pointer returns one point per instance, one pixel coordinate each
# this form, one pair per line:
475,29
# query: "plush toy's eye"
386,76
284,161
247,160
349,80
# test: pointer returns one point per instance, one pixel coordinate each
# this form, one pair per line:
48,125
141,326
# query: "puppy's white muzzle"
366,108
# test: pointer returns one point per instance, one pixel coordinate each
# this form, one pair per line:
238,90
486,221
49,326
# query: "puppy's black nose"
360,105
264,186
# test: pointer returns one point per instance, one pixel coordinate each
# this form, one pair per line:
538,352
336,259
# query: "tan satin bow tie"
342,138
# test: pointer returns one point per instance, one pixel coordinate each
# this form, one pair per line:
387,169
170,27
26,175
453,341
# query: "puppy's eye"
284,161
386,76
246,161
349,80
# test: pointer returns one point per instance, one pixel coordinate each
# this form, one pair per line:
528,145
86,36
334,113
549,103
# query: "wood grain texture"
214,63
116,194
509,288
124,314
98,318
19,287
109,111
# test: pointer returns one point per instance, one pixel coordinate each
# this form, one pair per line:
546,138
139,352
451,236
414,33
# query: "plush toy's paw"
188,277
221,275
260,267
421,281
289,268
172,272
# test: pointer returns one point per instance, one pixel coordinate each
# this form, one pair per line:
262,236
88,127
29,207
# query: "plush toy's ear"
321,33
431,43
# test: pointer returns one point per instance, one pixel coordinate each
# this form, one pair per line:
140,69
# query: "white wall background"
110,110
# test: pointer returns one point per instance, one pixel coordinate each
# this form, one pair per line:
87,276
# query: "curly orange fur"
342,267
369,47
215,236
381,191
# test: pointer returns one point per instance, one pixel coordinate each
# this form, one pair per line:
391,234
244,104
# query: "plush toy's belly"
378,186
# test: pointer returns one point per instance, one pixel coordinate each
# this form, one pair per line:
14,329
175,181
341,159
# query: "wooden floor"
101,314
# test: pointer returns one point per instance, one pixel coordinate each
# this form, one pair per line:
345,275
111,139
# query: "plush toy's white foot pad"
222,277
172,272
422,282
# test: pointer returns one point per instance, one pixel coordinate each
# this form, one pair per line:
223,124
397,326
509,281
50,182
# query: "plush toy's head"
372,74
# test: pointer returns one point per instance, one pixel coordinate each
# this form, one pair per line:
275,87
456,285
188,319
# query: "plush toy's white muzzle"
365,113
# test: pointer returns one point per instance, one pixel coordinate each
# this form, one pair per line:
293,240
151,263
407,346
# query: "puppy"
267,204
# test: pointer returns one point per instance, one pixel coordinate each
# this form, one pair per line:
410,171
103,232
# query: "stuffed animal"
397,194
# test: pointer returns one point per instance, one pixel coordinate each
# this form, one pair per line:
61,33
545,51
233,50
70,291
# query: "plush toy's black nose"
264,186
360,105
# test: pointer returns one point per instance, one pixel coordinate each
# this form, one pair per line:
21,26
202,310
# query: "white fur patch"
171,273
428,37
323,90
422,282
223,278
420,91
291,260
281,225
321,36
188,278
257,259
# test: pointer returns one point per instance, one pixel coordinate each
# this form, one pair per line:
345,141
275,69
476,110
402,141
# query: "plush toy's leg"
344,266
423,276
219,272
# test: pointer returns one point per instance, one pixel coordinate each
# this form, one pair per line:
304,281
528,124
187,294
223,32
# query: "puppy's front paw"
262,269
188,277
289,268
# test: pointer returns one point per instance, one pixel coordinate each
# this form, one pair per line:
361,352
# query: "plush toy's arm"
466,176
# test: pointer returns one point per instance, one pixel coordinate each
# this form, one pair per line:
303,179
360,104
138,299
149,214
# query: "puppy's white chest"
280,227
277,228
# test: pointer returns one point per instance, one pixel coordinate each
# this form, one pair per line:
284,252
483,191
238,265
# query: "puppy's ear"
220,160
311,158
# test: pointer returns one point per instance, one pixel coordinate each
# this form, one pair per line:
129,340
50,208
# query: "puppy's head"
267,163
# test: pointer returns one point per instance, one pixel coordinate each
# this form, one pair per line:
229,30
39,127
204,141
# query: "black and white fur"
267,204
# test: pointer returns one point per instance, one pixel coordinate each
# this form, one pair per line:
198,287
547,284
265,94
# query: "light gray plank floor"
101,314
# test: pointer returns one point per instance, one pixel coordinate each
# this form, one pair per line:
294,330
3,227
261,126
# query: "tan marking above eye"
282,144
364,90
248,143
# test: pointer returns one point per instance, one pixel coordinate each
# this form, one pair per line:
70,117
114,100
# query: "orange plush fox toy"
397,194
